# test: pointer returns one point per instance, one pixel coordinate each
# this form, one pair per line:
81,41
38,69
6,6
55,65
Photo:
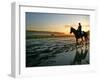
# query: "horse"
79,36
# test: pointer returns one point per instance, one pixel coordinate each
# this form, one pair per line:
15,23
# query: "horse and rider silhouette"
79,34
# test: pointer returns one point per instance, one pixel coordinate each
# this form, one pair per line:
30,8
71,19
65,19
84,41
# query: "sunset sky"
55,22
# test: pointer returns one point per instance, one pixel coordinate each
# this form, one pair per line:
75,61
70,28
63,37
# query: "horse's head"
71,30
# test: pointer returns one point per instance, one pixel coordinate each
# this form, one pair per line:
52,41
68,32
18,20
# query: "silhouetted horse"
78,36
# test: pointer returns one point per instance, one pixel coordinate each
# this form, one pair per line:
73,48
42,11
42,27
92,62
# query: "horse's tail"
86,35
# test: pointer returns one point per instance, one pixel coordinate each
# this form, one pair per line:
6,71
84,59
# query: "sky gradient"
55,22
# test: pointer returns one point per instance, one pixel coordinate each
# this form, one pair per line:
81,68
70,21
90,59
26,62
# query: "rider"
79,29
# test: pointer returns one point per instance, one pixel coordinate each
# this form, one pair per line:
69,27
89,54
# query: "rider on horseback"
79,29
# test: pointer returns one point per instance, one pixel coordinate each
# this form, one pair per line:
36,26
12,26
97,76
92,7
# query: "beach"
55,51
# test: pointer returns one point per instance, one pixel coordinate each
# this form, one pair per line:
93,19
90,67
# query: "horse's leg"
82,41
76,41
86,40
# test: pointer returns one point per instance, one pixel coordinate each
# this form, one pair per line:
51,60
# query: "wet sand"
55,52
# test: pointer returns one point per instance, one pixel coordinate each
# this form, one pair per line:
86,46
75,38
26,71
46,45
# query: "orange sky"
55,22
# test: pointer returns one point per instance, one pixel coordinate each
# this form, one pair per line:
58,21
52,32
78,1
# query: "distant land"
45,34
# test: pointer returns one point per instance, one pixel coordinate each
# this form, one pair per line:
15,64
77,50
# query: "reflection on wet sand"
81,54
55,52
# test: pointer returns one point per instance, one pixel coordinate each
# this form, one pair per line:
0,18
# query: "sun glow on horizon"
63,29
56,22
